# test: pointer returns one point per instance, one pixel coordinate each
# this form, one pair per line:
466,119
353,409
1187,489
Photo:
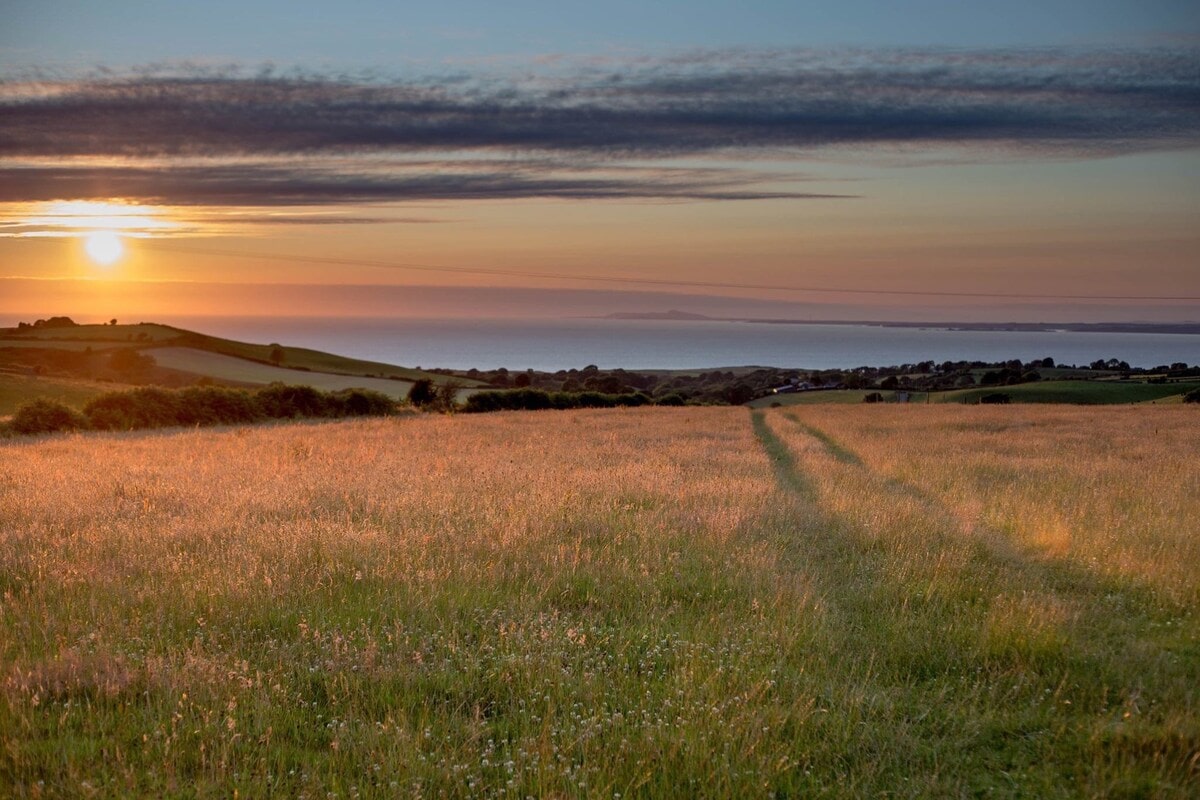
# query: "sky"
855,160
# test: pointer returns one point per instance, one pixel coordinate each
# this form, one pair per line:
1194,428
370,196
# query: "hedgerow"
152,407
538,399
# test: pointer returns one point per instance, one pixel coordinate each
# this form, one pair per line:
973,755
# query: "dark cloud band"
1097,103
1038,102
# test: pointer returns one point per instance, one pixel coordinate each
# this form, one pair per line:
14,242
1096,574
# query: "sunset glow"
70,218
104,247
982,164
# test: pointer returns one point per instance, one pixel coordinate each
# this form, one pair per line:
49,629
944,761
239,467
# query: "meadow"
910,601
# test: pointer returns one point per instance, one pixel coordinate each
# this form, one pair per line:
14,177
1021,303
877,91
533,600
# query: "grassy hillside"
72,358
95,335
1075,392
149,336
16,390
250,373
934,601
1078,392
303,358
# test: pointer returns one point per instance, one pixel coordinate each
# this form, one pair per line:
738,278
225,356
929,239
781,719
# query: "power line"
519,273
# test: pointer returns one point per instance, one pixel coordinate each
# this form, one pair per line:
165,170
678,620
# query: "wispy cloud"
223,134
260,185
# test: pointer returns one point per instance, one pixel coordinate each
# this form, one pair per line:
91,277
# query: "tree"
277,355
112,321
738,394
445,397
422,393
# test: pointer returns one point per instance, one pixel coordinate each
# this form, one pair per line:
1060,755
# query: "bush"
361,403
141,408
873,397
996,398
632,399
672,399
210,405
45,416
197,405
445,397
422,393
1192,397
283,401
538,400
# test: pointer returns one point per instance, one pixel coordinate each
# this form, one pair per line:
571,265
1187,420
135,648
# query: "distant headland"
675,315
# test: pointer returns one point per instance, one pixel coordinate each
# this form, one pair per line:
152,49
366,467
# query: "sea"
554,344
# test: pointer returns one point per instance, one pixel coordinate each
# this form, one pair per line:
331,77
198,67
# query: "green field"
847,601
17,390
183,357
1076,392
148,336
96,335
251,373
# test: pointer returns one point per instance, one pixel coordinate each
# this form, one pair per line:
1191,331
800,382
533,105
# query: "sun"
103,247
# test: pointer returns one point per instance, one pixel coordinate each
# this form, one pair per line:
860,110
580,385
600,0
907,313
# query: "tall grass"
633,602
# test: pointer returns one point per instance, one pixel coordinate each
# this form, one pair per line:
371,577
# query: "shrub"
672,399
197,405
445,396
210,405
422,393
632,399
873,397
593,400
1192,397
361,403
282,401
537,400
45,416
530,399
996,398
141,408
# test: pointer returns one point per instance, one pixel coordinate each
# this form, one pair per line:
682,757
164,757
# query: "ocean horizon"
556,344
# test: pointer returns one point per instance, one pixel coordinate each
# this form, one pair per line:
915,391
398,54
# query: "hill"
71,363
1097,392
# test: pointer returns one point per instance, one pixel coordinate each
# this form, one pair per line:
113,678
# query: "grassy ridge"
150,335
942,601
17,390
1077,392
1074,392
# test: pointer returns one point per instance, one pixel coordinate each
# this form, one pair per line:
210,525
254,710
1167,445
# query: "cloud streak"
345,137
258,185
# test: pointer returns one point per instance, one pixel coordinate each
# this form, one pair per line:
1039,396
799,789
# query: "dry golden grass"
1111,491
640,602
